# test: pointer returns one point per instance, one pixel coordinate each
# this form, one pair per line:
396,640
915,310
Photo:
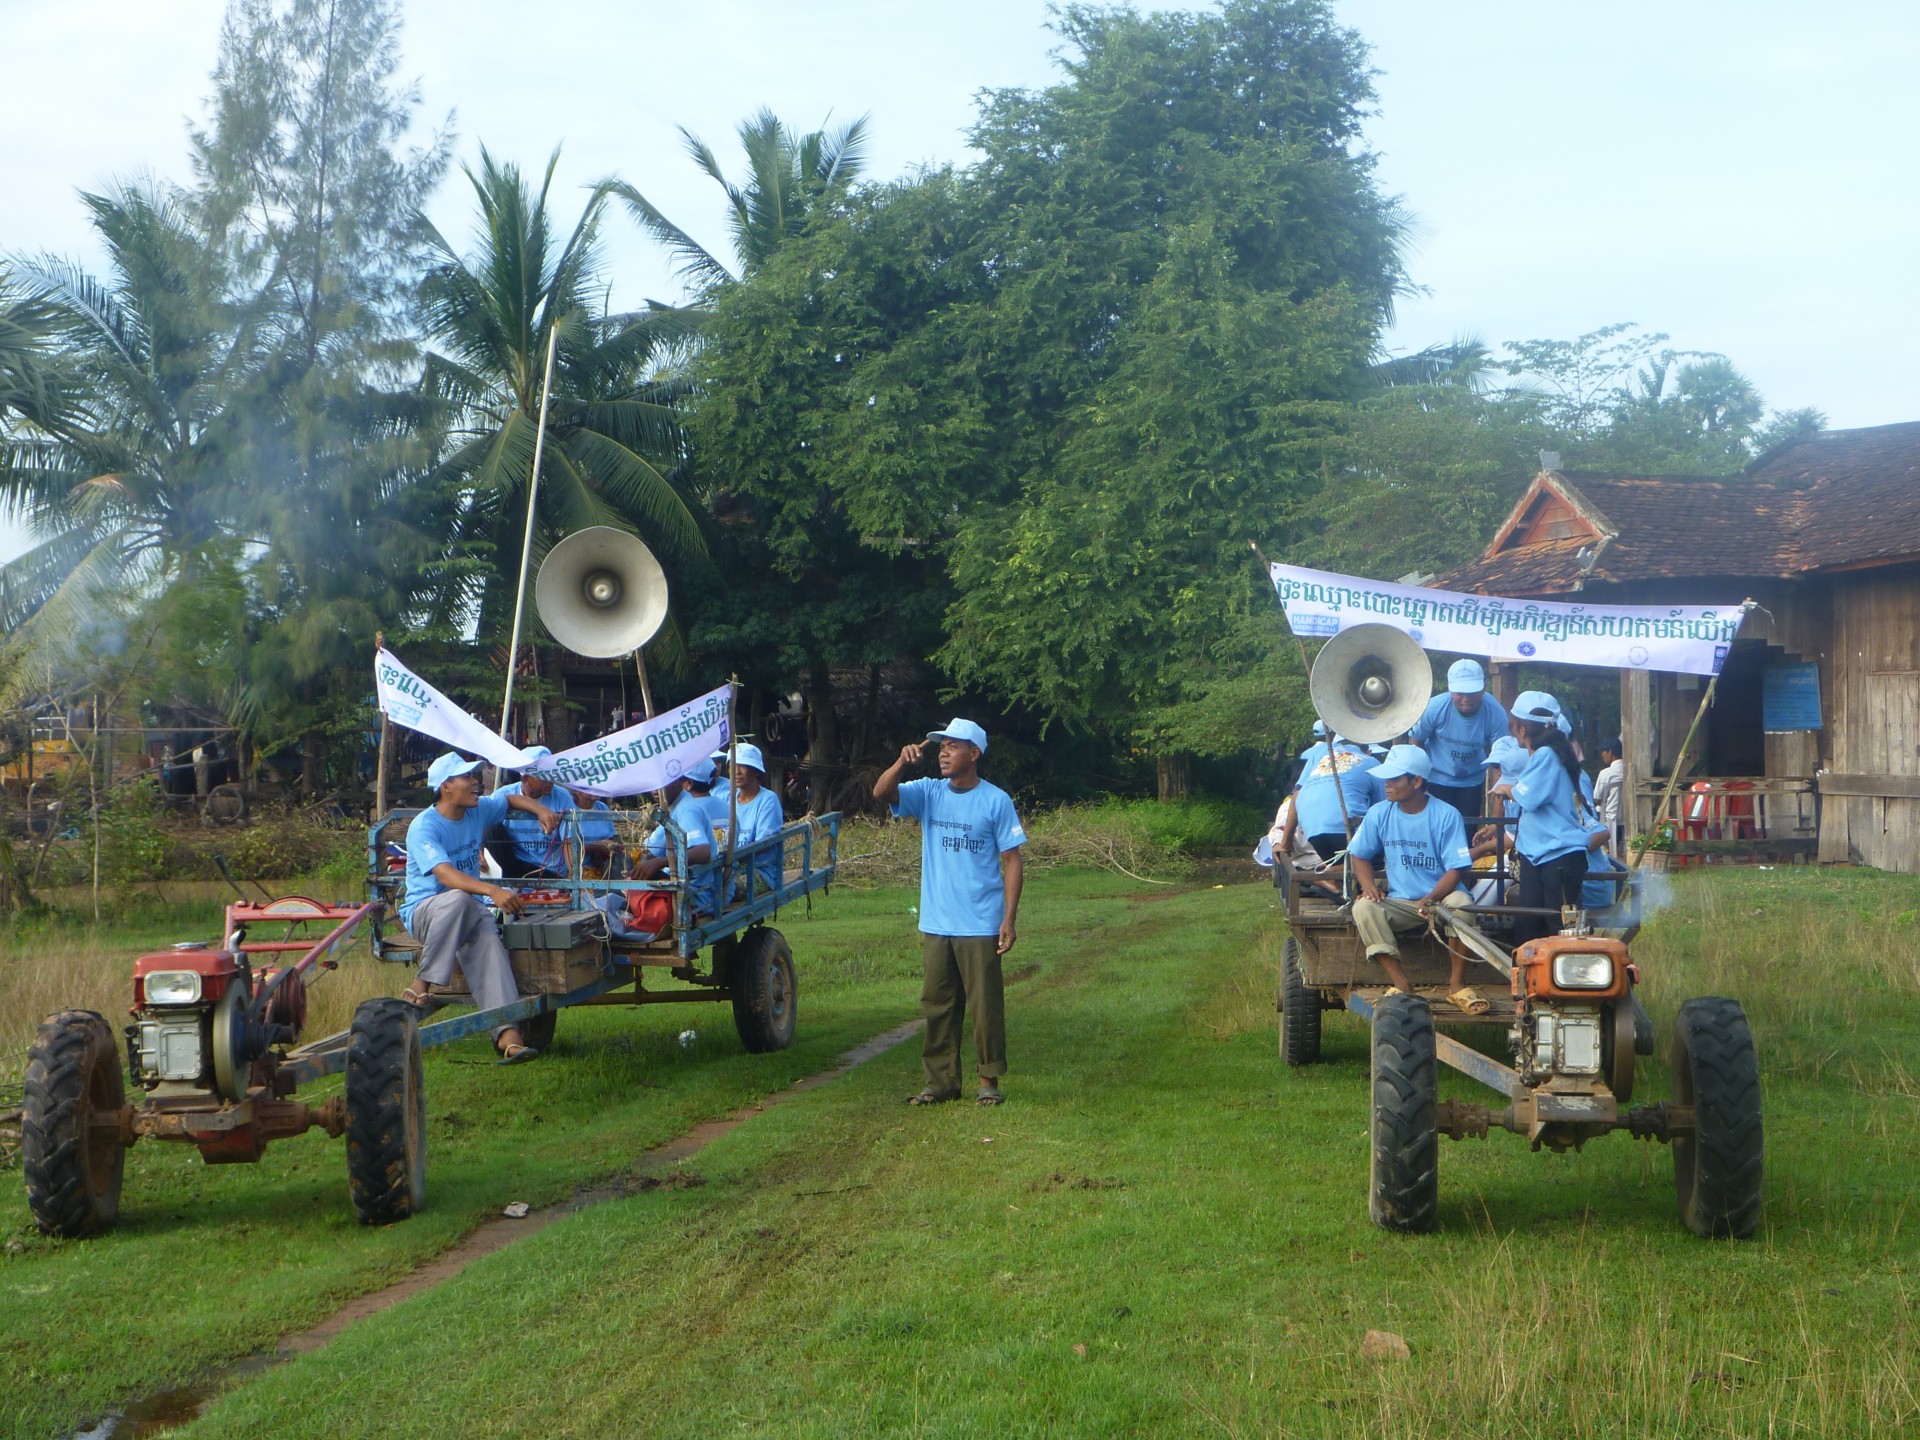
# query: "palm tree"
612,441
789,177
130,466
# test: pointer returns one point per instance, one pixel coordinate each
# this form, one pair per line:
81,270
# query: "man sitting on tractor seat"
441,908
1424,844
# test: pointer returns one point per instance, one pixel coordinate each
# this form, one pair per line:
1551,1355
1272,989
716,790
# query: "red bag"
649,911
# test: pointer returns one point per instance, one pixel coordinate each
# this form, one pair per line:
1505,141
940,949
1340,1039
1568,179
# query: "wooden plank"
1636,735
1902,786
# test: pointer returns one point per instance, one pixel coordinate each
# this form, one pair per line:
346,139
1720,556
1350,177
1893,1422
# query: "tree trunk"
823,736
1172,773
313,763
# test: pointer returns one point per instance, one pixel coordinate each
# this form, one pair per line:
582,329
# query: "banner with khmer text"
633,761
1690,639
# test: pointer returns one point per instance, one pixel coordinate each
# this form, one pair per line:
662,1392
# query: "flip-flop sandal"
991,1097
1470,1001
930,1097
517,1055
417,996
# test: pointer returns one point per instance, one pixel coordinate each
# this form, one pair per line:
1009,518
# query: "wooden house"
1817,708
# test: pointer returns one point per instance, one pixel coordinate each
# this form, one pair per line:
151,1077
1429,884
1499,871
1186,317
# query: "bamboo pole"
526,540
386,732
1673,779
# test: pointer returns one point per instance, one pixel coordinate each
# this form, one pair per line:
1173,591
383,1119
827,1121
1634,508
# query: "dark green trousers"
958,971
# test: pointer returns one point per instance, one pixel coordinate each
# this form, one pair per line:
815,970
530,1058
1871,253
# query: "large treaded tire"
73,1168
1717,1170
760,977
1403,1182
386,1113
1299,1010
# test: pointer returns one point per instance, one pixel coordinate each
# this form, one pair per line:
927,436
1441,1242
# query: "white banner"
1690,639
633,761
412,703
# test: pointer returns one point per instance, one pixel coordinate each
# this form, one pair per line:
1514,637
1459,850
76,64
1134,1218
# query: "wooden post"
1636,740
1679,767
1503,680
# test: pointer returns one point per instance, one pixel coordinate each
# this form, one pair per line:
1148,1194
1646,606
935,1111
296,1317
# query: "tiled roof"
1842,498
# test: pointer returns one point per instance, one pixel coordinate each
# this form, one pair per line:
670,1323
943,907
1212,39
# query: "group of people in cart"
1399,815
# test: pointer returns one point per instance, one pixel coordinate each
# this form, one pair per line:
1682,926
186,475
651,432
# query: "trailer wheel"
386,1113
1299,1010
70,1145
760,976
1717,1169
537,1030
1403,1190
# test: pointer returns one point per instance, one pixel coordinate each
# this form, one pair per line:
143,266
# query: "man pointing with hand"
970,875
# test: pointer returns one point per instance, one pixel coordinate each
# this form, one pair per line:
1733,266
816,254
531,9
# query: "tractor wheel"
1299,1010
1404,1177
386,1113
760,977
70,1145
537,1031
1716,1170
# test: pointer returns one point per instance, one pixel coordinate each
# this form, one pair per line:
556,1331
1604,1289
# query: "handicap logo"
1526,647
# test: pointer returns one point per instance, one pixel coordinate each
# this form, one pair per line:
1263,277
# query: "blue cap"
1377,751
962,730
1404,760
1465,677
749,755
1566,725
533,753
700,772
448,766
1319,729
1535,705
1507,753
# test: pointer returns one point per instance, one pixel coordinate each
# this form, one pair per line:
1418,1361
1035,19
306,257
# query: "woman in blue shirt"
1556,822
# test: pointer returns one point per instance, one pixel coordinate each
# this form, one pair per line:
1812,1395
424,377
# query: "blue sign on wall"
1790,697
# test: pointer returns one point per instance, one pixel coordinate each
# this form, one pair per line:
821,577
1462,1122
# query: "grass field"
1163,1232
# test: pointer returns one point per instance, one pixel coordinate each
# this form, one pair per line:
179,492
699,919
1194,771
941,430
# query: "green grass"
1163,1232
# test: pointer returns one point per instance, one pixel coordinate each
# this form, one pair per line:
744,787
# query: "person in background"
1284,837
1325,808
970,877
601,857
688,808
440,906
1607,791
759,814
534,852
1423,843
1456,730
722,787
1503,764
1557,825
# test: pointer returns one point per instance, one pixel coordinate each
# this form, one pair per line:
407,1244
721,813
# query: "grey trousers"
454,928
1378,920
958,970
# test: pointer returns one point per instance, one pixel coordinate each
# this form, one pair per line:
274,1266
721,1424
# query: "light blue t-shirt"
432,840
1599,894
1318,805
759,818
596,823
962,836
1419,849
1456,743
1551,824
532,845
722,788
690,814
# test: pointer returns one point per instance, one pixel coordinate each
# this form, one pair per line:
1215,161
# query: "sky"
1741,176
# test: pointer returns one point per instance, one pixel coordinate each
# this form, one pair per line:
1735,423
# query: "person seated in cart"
1456,730
534,851
687,804
600,849
441,906
1324,807
758,814
1558,825
1423,843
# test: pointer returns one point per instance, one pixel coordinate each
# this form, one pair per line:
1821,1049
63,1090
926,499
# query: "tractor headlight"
172,987
1582,972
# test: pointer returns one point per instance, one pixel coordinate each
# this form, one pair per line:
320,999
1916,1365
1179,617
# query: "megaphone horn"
601,593
1371,682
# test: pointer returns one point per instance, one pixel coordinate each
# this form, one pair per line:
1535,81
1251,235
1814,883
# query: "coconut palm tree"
788,178
612,441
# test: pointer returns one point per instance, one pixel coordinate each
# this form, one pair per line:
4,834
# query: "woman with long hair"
1557,822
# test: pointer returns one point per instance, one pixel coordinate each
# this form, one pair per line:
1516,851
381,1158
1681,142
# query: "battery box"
554,930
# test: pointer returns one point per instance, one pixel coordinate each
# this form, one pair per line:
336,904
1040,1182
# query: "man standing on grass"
970,875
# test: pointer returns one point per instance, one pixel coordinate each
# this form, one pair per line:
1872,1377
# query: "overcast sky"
1739,175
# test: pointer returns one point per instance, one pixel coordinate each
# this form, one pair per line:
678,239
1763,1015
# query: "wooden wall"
1873,721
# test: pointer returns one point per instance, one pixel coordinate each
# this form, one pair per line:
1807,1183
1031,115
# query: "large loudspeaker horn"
1371,682
601,593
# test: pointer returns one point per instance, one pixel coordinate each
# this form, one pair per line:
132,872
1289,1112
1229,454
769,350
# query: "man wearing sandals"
1424,844
441,909
970,876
